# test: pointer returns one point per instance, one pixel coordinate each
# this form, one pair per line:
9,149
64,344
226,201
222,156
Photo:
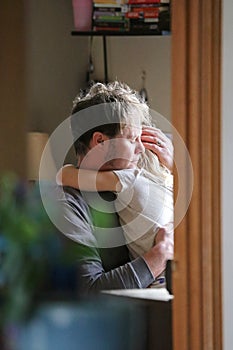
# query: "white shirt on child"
144,204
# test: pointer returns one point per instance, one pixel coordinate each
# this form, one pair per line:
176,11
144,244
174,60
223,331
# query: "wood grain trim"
216,168
197,320
179,108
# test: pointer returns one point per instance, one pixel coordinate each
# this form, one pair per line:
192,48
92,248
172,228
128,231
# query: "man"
106,126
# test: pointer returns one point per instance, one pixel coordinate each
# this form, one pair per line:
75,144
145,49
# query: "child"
144,199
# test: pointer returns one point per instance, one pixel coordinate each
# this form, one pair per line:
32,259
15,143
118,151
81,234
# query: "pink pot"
82,10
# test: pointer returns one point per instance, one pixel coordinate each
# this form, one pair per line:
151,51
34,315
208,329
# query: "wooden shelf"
105,34
115,33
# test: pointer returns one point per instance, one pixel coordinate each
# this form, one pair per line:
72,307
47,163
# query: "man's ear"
98,138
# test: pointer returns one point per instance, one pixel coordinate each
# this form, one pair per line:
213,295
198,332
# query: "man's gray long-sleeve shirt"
102,253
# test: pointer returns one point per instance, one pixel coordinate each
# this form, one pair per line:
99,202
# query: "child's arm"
88,180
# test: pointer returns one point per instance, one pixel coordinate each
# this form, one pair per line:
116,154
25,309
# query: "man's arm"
99,269
139,273
134,274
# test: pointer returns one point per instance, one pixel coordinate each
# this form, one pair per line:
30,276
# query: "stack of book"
109,15
148,16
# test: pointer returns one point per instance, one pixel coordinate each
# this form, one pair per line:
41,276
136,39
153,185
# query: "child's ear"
98,138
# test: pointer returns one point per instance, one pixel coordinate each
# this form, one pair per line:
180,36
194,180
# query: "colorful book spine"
144,28
109,29
107,23
108,18
109,2
144,2
143,13
105,2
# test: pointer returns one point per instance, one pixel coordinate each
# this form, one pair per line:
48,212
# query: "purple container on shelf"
82,10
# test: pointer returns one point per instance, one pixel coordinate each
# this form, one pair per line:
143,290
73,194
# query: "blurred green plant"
25,231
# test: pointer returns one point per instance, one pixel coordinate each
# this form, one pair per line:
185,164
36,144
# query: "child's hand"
60,173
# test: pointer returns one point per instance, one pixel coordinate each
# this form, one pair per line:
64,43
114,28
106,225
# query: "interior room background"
57,64
56,70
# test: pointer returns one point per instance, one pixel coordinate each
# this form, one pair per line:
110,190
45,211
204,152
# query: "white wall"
56,63
129,56
227,170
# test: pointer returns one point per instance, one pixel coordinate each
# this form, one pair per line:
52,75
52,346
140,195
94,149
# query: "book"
147,7
151,20
109,29
108,18
110,8
106,12
143,14
145,18
143,2
144,27
106,4
109,24
114,2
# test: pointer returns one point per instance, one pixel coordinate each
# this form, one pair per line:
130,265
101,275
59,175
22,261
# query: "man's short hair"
116,105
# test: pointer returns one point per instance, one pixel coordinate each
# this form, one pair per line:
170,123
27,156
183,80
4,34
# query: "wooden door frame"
196,86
